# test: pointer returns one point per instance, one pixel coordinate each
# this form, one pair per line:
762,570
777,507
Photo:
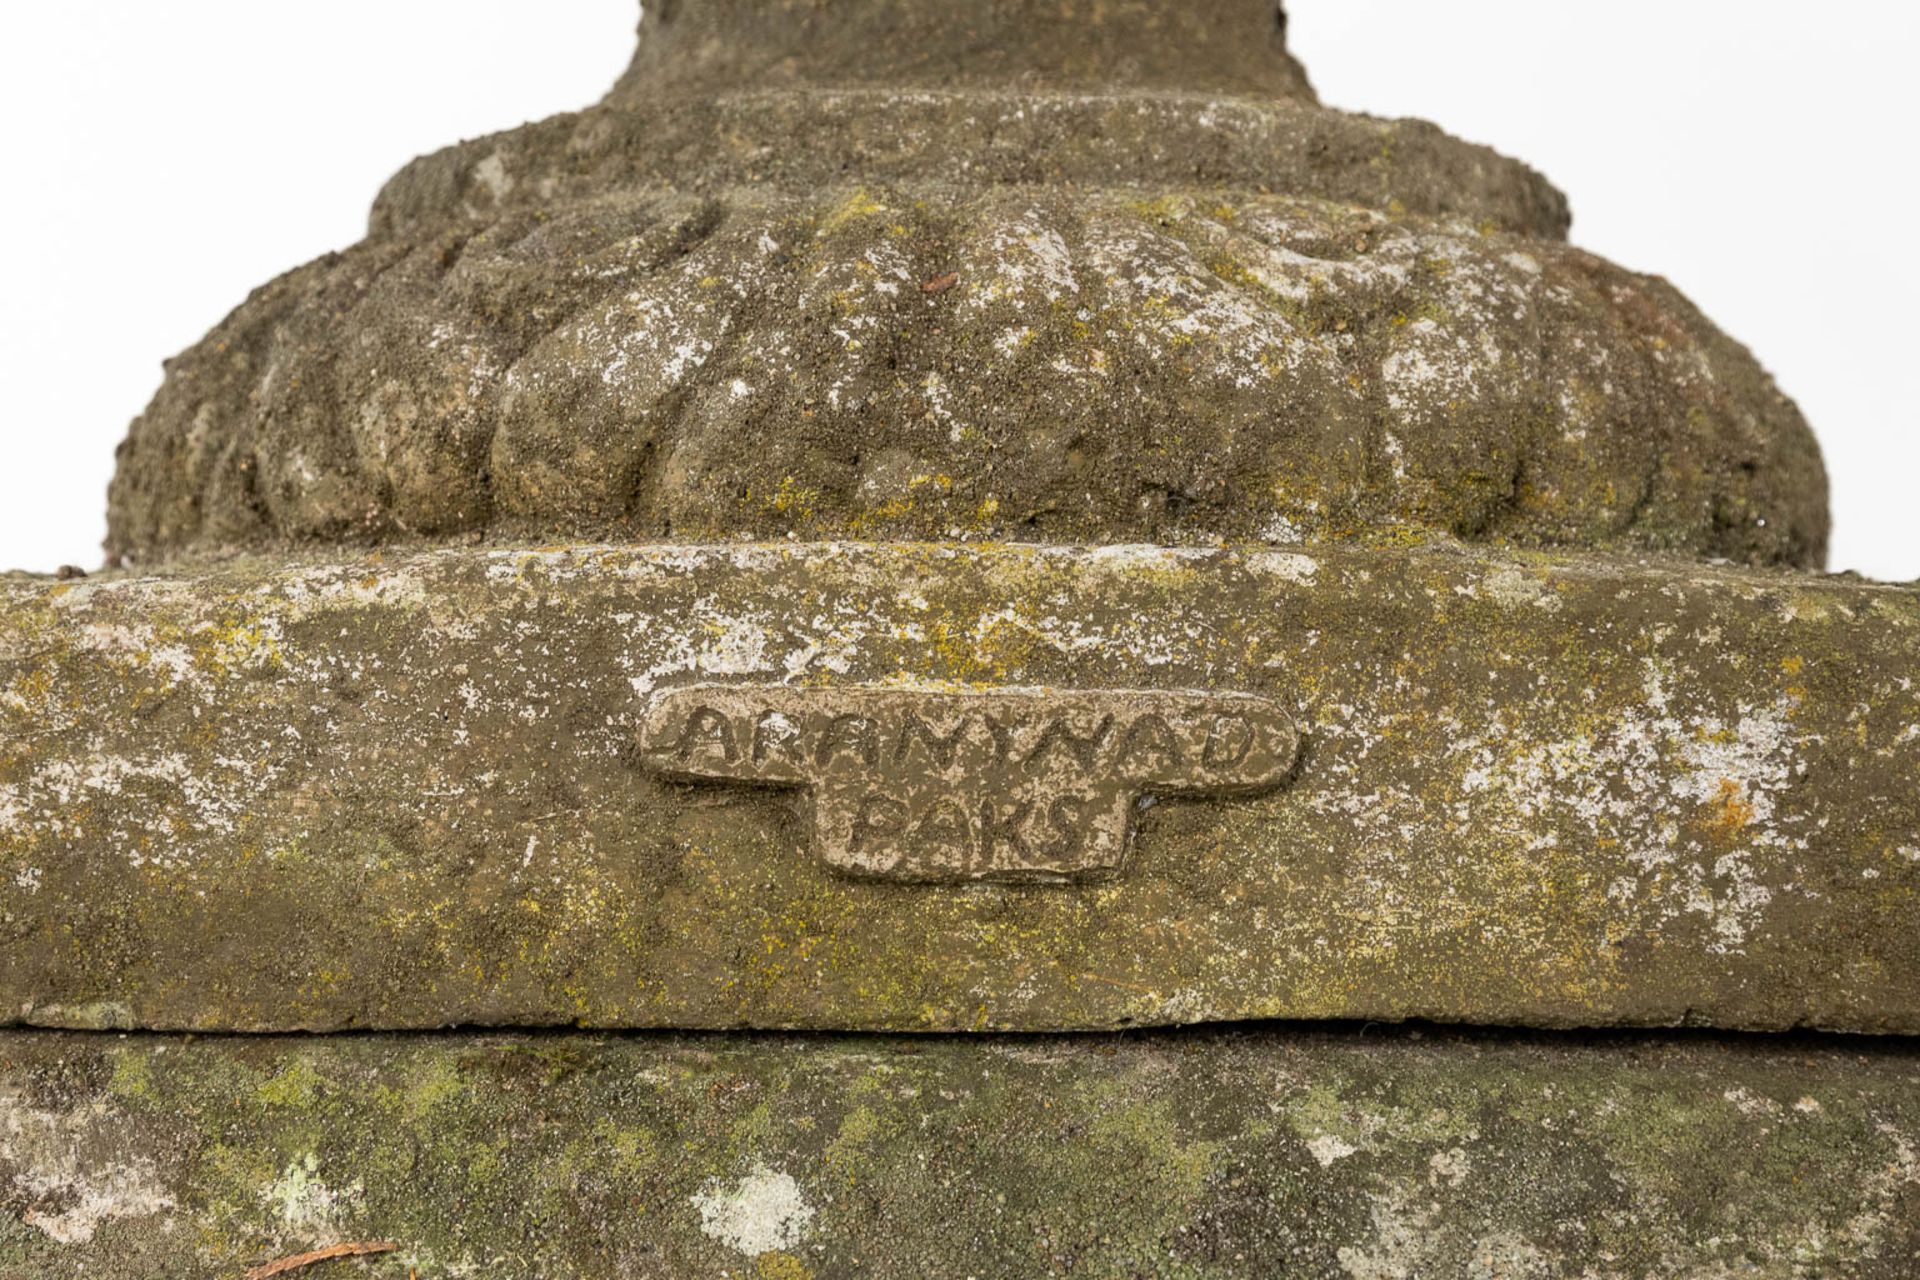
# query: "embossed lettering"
707,731
945,823
946,786
1002,734
1082,748
1001,826
1150,743
879,818
855,733
1229,742
775,731
940,749
1068,818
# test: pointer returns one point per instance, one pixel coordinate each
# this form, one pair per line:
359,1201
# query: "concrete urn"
963,638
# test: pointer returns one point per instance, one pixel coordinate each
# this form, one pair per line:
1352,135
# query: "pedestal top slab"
514,788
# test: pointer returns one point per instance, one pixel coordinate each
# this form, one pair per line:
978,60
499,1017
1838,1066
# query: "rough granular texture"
1221,47
1098,367
791,548
849,271
1212,1157
409,792
961,141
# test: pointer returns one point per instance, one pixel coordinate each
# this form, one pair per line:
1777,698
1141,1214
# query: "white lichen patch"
1328,1148
1692,803
734,644
1735,779
304,591
1403,1241
1451,1167
760,1213
1023,259
1172,303
492,175
1134,558
1750,1104
305,1203
62,794
1431,364
1516,588
1887,1179
1507,1255
1752,762
69,1173
1286,566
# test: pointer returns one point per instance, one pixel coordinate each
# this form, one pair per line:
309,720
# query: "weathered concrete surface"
1215,1157
877,270
1103,368
1059,271
1228,47
973,140
409,792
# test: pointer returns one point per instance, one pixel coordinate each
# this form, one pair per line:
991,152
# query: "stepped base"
1296,1154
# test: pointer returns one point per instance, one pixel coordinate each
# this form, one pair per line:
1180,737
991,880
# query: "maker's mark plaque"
932,785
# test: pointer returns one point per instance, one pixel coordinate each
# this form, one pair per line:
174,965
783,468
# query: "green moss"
293,1086
438,1083
1153,1156
132,1076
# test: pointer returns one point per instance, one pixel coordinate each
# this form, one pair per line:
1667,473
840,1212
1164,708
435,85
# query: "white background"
159,160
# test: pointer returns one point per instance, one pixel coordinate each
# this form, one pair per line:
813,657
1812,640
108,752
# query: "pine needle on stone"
284,1265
